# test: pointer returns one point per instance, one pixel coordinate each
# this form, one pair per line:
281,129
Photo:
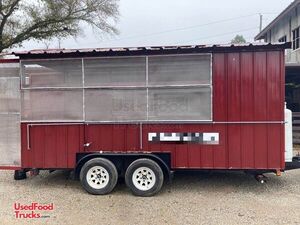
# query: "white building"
286,28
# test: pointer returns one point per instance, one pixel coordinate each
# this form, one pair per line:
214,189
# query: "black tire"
110,176
136,167
20,175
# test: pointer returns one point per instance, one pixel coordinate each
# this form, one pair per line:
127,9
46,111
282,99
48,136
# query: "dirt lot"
193,198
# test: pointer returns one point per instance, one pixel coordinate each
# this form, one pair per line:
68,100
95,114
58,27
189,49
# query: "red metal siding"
247,87
247,110
247,147
233,87
9,61
51,146
112,137
220,87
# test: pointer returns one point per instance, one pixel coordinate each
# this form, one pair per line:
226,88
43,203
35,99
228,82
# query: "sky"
177,22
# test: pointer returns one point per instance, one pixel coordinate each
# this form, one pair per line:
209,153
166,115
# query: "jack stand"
278,173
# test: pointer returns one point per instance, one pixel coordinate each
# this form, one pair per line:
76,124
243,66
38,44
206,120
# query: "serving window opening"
117,89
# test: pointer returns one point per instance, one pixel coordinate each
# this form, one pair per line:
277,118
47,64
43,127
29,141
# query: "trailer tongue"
143,113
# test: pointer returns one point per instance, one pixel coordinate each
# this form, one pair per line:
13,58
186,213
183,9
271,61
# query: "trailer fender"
163,159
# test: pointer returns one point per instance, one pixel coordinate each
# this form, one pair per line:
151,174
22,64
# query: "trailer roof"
154,50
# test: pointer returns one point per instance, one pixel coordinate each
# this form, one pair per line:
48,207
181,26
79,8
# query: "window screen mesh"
9,70
179,70
115,72
115,105
117,89
180,103
10,140
60,105
54,73
10,95
10,153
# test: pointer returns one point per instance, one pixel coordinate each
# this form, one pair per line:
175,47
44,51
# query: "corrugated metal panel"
117,137
260,84
241,147
51,146
247,90
234,87
220,87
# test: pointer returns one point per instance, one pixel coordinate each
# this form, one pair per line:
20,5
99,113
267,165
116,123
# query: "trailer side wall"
248,115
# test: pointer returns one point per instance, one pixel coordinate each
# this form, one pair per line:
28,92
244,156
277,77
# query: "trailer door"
10,150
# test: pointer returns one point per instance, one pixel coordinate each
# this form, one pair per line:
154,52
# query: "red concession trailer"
142,113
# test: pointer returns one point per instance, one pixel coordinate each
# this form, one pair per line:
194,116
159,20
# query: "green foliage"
239,39
22,20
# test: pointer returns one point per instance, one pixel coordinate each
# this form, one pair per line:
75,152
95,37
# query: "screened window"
179,70
116,104
10,114
144,88
9,70
53,73
180,103
48,105
115,72
10,95
10,140
182,87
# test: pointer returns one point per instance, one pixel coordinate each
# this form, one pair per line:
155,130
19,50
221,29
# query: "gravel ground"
192,198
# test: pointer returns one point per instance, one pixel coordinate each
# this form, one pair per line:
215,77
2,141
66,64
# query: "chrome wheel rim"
97,177
143,178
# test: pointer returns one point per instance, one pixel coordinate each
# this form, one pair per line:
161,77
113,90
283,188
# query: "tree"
23,20
239,39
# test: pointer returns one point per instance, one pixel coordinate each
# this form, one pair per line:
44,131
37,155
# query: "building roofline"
262,34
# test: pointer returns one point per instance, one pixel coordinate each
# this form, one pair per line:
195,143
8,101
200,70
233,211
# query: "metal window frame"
295,38
83,89
146,87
